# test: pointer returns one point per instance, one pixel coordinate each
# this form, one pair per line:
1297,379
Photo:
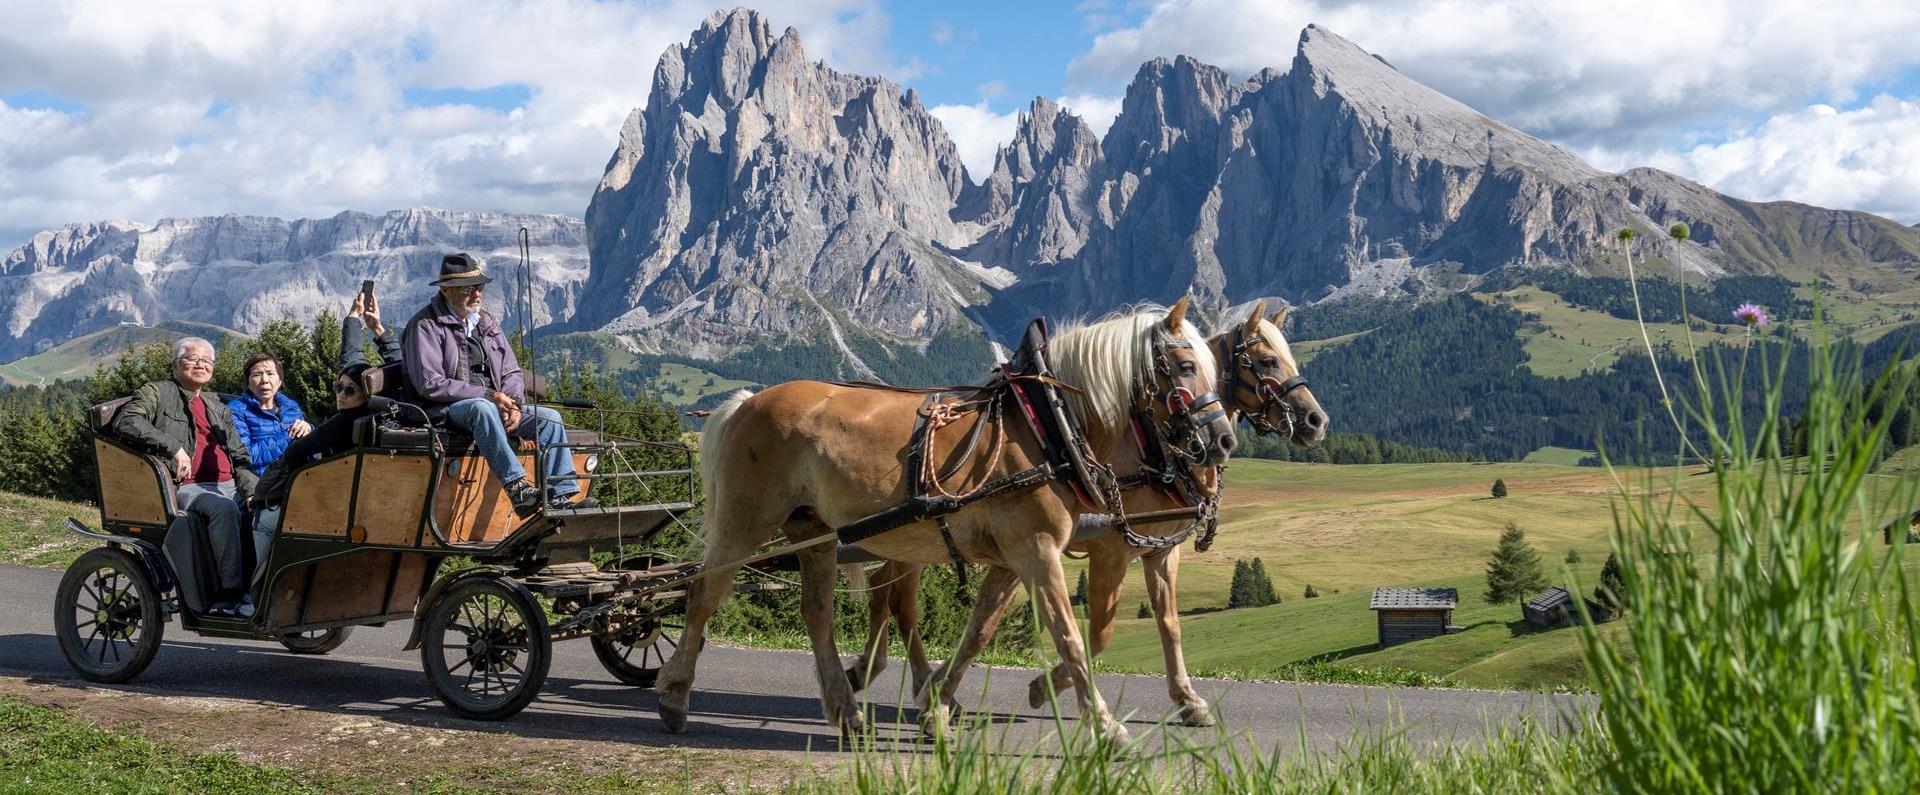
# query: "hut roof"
1550,599
1415,598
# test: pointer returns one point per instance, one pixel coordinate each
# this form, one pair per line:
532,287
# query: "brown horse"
805,457
1257,369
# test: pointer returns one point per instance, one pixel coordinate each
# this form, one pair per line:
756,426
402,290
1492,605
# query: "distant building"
1552,607
1406,614
1904,522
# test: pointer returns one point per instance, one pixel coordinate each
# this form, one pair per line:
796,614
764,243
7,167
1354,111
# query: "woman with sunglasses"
330,437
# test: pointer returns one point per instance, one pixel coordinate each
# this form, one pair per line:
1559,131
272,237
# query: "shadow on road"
568,708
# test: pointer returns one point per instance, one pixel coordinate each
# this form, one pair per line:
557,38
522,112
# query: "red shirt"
210,463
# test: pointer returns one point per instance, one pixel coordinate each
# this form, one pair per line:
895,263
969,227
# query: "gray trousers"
214,504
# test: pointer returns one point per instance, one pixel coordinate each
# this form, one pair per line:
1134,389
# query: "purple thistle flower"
1752,316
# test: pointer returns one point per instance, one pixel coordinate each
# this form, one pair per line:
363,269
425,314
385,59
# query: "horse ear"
1253,320
1280,317
1177,315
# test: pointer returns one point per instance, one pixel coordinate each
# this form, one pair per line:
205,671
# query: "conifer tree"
1144,612
1499,488
1612,590
1262,586
1514,570
1080,590
1240,589
1573,557
1311,593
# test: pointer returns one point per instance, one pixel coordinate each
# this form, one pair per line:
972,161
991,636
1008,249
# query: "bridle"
1271,392
1171,450
1182,434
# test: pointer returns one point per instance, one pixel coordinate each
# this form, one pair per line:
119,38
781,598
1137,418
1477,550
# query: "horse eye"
1269,362
1187,368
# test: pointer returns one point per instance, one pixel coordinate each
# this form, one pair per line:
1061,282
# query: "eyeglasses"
197,360
345,390
470,289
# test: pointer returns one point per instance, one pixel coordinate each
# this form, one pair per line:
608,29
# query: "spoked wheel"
485,648
106,614
635,653
319,641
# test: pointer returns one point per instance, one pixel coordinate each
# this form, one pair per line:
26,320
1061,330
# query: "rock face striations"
758,194
244,271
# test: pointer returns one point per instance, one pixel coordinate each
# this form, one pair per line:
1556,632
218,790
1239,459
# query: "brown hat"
460,270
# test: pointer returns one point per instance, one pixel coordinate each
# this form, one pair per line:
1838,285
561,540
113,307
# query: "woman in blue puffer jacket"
266,419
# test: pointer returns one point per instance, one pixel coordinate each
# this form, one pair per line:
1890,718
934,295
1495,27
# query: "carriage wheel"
318,641
485,648
106,615
635,653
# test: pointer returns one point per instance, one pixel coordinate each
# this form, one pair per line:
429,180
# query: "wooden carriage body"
363,533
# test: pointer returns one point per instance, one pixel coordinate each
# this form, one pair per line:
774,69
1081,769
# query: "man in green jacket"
176,421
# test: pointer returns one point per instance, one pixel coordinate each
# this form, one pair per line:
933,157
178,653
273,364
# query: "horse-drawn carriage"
864,473
408,524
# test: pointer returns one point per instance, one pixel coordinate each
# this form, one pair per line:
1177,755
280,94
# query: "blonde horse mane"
1103,357
1279,343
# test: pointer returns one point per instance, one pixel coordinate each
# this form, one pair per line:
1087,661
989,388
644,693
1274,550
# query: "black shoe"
526,498
565,502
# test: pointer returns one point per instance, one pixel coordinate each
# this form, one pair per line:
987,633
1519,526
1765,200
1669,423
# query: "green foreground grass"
44,750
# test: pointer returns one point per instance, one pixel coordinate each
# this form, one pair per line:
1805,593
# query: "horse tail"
710,440
856,575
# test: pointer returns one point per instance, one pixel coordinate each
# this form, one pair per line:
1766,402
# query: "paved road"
744,699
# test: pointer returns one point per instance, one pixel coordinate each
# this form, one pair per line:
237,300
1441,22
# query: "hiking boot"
565,502
526,498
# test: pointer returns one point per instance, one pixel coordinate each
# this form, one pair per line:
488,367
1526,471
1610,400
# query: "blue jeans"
481,420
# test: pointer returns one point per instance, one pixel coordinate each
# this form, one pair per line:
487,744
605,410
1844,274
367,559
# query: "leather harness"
1026,384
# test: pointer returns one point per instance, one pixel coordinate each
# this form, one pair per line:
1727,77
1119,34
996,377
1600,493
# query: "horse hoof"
1116,733
675,719
935,721
1037,692
852,726
1196,715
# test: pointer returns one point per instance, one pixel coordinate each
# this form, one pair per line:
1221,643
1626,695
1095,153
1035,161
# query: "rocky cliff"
759,196
243,271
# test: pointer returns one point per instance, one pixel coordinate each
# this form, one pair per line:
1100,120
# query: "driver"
460,366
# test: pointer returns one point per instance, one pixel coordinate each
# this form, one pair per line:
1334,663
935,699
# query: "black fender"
440,586
158,569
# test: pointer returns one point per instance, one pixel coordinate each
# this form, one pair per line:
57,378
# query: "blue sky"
114,109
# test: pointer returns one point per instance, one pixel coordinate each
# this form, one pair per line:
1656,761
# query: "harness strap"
953,551
922,508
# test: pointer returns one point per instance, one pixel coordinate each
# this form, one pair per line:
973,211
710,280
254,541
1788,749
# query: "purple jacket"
436,361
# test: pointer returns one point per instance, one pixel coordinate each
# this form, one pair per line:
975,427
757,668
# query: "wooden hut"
1552,607
1406,614
1906,523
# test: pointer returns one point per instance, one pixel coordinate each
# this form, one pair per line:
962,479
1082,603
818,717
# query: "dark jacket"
156,421
264,432
353,344
436,360
330,437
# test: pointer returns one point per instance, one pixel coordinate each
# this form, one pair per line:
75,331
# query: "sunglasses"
470,289
347,390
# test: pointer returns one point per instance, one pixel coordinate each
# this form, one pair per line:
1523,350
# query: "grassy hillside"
1349,529
81,356
32,531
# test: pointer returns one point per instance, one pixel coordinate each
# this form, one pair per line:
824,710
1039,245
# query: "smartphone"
366,292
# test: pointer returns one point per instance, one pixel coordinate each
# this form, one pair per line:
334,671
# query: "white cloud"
1098,111
977,132
312,114
1620,73
1867,159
